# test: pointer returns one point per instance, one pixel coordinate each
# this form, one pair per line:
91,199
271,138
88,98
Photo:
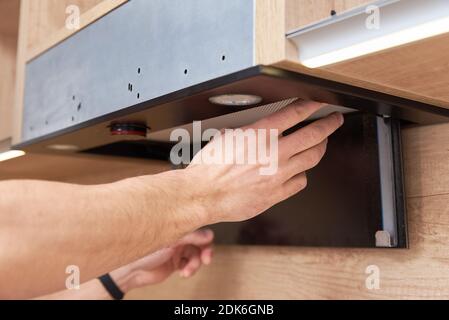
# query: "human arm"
46,226
186,256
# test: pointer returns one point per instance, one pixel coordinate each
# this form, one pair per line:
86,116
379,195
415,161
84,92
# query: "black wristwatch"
111,287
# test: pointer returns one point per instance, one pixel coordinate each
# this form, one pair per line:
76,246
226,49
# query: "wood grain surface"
9,25
421,272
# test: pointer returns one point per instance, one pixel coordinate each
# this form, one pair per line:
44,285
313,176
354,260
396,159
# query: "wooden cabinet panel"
9,21
303,12
47,23
47,17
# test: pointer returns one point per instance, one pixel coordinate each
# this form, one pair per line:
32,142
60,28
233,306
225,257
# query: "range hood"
193,103
161,70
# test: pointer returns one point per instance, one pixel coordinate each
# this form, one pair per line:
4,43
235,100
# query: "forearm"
92,290
46,227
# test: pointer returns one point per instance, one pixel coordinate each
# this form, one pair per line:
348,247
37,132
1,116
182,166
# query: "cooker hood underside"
273,85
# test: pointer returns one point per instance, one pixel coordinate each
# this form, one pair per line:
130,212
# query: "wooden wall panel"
307,273
9,12
9,23
7,76
82,169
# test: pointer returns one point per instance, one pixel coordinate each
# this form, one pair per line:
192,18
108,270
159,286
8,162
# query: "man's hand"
233,192
106,226
186,256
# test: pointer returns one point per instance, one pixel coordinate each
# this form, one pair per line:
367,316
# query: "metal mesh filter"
245,117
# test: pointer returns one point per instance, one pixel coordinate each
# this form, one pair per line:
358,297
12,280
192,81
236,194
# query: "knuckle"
314,156
299,110
316,133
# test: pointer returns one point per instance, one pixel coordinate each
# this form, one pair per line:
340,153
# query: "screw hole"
130,87
73,119
79,107
73,98
138,96
333,13
139,70
186,71
223,58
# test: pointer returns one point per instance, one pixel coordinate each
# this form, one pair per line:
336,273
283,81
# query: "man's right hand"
236,192
121,222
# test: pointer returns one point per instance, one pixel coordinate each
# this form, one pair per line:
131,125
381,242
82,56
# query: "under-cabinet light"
8,155
63,147
238,100
350,36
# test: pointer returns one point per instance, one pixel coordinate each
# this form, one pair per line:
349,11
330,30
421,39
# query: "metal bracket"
383,239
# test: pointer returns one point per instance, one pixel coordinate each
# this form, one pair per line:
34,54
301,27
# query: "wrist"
123,279
111,287
180,196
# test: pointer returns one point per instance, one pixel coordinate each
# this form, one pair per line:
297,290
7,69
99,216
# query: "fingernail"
341,118
206,233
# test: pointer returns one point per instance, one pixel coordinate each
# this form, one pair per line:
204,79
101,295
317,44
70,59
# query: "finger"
311,135
192,255
289,116
306,160
181,256
293,186
198,238
206,255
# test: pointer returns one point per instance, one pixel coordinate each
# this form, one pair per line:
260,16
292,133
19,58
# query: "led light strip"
8,155
347,36
389,41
